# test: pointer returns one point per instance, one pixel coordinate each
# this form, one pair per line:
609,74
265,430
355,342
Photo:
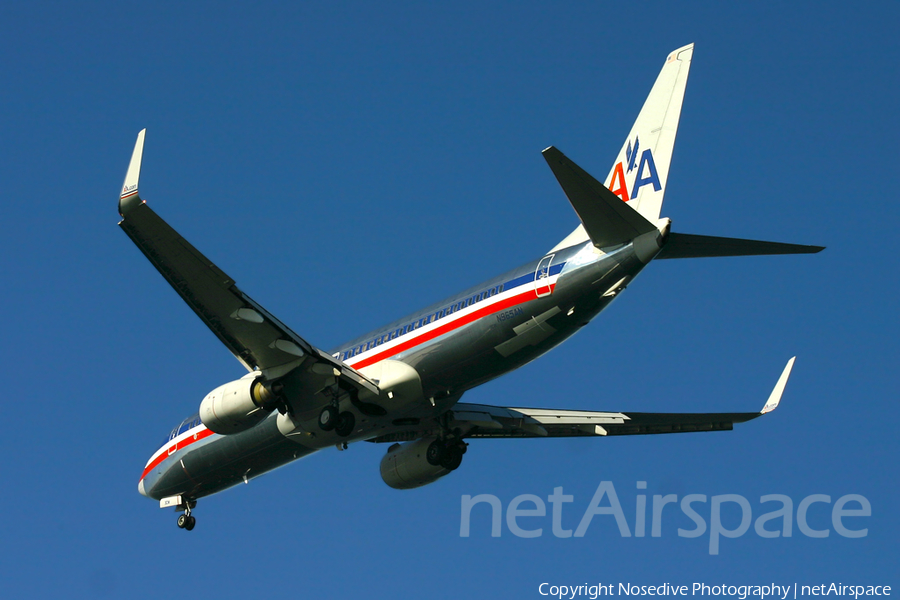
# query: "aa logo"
639,172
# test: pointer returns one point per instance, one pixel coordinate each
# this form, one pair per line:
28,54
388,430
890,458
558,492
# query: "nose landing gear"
186,520
179,502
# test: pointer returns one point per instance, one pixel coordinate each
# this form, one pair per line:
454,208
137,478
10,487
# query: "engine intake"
237,406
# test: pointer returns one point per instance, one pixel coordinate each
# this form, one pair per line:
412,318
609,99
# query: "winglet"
775,396
129,198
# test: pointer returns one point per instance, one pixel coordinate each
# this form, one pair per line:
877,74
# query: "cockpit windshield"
185,425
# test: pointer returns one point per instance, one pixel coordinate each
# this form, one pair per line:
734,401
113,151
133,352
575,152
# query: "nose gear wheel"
185,520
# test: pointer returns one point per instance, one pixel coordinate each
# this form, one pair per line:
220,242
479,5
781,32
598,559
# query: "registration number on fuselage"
509,314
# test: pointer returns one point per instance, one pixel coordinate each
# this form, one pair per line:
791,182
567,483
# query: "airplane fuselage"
455,345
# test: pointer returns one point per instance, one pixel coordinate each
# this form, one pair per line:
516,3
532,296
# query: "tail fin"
641,169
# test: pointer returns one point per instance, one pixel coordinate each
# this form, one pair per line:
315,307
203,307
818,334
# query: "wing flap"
211,293
485,421
524,422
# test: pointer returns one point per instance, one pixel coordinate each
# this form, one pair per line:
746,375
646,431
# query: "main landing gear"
446,453
342,423
186,520
331,419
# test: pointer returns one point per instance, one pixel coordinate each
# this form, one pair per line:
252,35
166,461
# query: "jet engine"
414,464
237,406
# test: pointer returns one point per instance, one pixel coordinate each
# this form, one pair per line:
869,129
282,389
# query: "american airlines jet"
401,384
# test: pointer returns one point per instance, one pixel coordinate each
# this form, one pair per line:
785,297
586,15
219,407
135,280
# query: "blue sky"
348,163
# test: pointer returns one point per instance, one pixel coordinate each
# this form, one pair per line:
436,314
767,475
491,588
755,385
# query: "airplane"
402,383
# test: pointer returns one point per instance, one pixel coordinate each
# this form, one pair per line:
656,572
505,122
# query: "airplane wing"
255,337
483,421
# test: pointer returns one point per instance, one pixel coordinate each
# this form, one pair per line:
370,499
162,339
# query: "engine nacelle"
405,466
236,406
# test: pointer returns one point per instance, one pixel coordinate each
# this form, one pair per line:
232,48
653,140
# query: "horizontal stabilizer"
607,219
685,245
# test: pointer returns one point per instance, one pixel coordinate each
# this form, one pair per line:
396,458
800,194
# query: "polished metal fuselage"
448,365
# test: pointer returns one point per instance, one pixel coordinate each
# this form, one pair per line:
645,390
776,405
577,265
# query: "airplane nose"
141,488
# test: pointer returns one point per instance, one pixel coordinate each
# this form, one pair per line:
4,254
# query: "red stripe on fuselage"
375,358
170,450
447,328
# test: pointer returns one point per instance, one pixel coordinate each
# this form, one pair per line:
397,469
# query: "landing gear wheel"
452,457
328,418
182,521
190,522
434,453
345,424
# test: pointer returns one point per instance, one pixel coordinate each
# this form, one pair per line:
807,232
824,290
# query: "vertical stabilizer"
639,174
640,171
